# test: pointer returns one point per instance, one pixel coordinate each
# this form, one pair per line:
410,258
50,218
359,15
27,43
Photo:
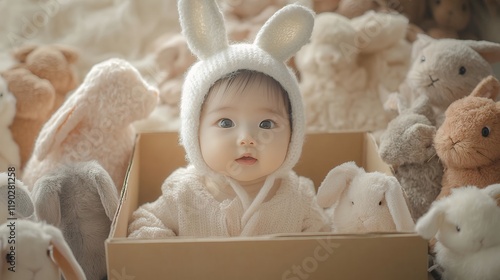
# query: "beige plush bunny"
95,123
468,142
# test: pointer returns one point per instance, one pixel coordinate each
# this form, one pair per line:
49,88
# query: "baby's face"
245,135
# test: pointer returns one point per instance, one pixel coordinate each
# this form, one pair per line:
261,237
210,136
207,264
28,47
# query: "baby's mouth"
246,160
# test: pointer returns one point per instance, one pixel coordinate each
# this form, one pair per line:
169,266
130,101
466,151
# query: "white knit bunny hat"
280,37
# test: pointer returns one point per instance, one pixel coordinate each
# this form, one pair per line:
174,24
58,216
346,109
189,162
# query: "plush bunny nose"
432,81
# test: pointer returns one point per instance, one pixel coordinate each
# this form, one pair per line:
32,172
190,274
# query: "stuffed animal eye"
462,70
352,202
380,203
422,59
485,132
458,228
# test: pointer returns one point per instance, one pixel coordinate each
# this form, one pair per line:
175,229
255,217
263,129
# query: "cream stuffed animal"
9,150
95,123
40,253
13,190
446,70
364,201
348,69
466,225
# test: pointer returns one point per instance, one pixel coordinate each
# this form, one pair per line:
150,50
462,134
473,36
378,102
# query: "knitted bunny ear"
203,26
286,32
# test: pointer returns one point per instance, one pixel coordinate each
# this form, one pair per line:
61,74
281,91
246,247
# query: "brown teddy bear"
34,103
53,63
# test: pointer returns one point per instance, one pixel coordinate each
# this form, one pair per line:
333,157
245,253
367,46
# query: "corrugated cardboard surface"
373,256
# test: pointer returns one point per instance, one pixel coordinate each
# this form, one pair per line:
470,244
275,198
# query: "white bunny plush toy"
364,201
81,200
466,225
38,252
446,70
9,150
95,122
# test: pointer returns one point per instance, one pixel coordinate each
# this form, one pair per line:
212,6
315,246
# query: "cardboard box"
299,256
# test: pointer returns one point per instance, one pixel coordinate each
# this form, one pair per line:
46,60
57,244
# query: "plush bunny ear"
63,256
293,26
397,206
58,127
488,50
420,44
489,87
335,182
45,196
203,26
493,191
106,189
428,225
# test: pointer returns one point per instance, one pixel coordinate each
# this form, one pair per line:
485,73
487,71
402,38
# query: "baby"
242,126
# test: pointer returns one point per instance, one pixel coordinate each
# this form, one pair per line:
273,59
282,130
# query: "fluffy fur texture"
347,71
80,199
364,201
468,141
9,150
34,102
448,69
95,122
466,225
53,63
41,253
11,187
407,145
280,38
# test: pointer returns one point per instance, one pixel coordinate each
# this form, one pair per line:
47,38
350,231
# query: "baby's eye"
226,123
267,124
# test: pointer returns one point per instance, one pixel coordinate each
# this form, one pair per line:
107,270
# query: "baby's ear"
489,87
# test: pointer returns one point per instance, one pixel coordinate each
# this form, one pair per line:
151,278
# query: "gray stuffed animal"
80,199
14,195
407,145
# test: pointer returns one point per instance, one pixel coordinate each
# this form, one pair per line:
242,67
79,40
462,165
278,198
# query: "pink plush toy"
95,123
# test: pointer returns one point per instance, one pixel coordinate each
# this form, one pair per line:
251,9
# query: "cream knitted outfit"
186,207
